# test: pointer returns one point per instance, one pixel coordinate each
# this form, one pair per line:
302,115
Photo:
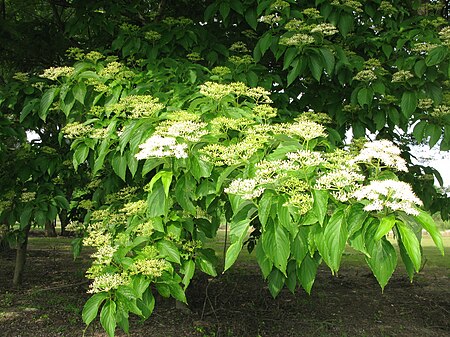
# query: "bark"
50,230
64,219
21,255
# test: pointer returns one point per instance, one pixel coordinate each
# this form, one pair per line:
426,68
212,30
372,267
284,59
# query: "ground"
237,303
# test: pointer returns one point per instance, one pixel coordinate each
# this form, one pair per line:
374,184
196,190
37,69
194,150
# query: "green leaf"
320,204
91,307
251,17
140,285
357,241
169,251
80,155
157,202
420,67
383,257
206,263
408,103
177,292
119,164
46,101
184,191
328,59
276,282
224,9
316,67
265,42
409,266
264,207
188,270
411,244
289,56
200,168
385,226
307,271
237,6
436,55
166,179
387,50
147,303
419,130
434,132
427,222
27,109
238,232
79,92
122,317
345,24
61,201
284,217
365,96
108,317
355,218
263,260
299,247
276,244
103,150
335,236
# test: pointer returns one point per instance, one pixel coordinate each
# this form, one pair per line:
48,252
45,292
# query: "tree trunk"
50,230
21,254
64,219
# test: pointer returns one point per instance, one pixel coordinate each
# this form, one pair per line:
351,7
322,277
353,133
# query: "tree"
237,115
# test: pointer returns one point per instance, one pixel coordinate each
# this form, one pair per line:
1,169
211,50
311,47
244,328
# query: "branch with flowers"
168,172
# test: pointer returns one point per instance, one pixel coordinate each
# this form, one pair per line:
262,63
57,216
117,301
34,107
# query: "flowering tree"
184,132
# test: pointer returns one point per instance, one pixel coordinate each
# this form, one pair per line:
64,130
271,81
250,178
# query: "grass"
351,257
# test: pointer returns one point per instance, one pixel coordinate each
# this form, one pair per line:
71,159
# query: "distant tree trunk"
21,255
50,229
64,219
4,246
3,9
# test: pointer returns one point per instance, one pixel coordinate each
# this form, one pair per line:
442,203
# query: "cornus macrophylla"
389,194
384,151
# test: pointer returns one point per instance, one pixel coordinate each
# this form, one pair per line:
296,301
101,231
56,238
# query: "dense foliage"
233,115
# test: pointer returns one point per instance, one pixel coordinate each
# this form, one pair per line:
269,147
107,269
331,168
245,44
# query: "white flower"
383,150
338,179
106,282
246,188
306,158
158,146
390,194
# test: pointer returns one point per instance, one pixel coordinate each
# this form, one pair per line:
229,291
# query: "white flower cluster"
53,73
384,151
104,254
299,39
401,76
107,282
389,194
338,179
306,158
365,76
268,170
326,29
158,146
189,130
246,188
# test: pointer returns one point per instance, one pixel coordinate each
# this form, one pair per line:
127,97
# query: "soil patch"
237,303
